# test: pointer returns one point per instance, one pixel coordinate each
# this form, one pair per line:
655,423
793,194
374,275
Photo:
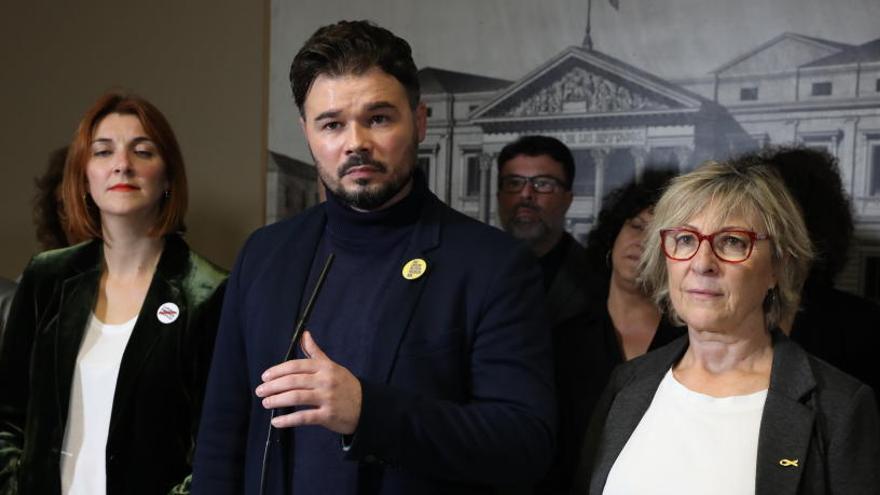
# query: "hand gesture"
326,393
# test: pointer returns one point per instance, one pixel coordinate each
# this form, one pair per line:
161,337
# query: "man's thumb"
310,347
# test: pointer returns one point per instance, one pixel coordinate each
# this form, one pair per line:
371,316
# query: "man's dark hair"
813,178
539,146
618,206
353,47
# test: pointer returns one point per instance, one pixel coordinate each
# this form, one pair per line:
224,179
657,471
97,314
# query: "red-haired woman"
108,342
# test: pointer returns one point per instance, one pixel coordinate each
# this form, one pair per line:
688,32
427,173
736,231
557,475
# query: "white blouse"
83,463
691,443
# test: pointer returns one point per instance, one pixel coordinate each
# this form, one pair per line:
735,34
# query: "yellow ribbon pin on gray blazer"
788,462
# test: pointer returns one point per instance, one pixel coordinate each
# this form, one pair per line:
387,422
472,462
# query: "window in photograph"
819,146
875,169
424,163
584,174
620,169
821,88
472,175
748,94
825,141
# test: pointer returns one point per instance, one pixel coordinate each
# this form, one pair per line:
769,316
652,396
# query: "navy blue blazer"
458,388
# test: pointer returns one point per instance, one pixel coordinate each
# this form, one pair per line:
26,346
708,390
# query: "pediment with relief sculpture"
580,82
580,91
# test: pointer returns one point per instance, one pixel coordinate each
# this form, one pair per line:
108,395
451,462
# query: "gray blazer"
814,414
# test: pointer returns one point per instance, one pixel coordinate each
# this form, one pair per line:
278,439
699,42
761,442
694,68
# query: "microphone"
294,341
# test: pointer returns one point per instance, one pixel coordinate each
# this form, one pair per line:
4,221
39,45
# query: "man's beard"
365,196
532,232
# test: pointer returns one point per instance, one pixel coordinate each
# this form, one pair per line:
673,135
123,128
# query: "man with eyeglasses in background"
535,175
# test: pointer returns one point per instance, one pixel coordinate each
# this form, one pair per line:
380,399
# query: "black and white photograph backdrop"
626,84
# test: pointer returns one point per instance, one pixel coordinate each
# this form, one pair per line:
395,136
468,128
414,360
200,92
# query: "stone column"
683,154
485,187
639,156
600,156
793,125
847,152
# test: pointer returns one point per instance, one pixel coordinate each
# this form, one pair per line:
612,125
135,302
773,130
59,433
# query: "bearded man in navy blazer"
425,367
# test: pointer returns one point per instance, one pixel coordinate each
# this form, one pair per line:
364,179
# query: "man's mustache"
528,205
358,160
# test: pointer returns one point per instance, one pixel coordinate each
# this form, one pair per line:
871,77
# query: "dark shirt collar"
346,223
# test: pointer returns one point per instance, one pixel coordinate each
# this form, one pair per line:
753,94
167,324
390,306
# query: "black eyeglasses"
732,246
543,184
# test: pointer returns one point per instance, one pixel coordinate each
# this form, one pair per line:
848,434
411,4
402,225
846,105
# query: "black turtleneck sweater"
368,248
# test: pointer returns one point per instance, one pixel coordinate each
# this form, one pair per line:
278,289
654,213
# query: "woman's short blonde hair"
738,187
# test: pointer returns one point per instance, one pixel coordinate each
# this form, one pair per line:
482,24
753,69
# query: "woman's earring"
167,193
771,295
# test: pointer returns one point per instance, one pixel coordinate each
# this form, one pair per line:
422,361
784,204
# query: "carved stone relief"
579,91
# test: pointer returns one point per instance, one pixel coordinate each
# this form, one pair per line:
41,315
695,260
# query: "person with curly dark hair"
832,324
48,220
49,217
621,322
614,246
48,214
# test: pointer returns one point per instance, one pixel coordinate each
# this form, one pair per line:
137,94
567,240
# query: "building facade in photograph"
292,186
619,120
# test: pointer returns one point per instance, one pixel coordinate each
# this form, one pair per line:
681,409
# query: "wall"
203,63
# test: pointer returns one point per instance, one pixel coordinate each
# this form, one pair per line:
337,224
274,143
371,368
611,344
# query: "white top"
691,443
83,463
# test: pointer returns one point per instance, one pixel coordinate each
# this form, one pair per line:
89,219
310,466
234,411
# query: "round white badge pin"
168,312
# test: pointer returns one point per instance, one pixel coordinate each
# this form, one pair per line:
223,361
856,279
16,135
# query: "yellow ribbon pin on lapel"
414,268
788,462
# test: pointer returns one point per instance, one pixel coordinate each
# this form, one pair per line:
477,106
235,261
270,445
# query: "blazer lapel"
164,288
402,295
74,308
627,410
284,305
787,424
294,283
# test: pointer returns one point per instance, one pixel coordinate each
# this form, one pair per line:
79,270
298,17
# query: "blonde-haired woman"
733,407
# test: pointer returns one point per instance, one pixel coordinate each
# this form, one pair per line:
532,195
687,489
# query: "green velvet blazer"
158,396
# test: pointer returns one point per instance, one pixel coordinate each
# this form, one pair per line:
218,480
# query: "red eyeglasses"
730,245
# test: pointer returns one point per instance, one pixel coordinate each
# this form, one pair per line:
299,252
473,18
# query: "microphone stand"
294,341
